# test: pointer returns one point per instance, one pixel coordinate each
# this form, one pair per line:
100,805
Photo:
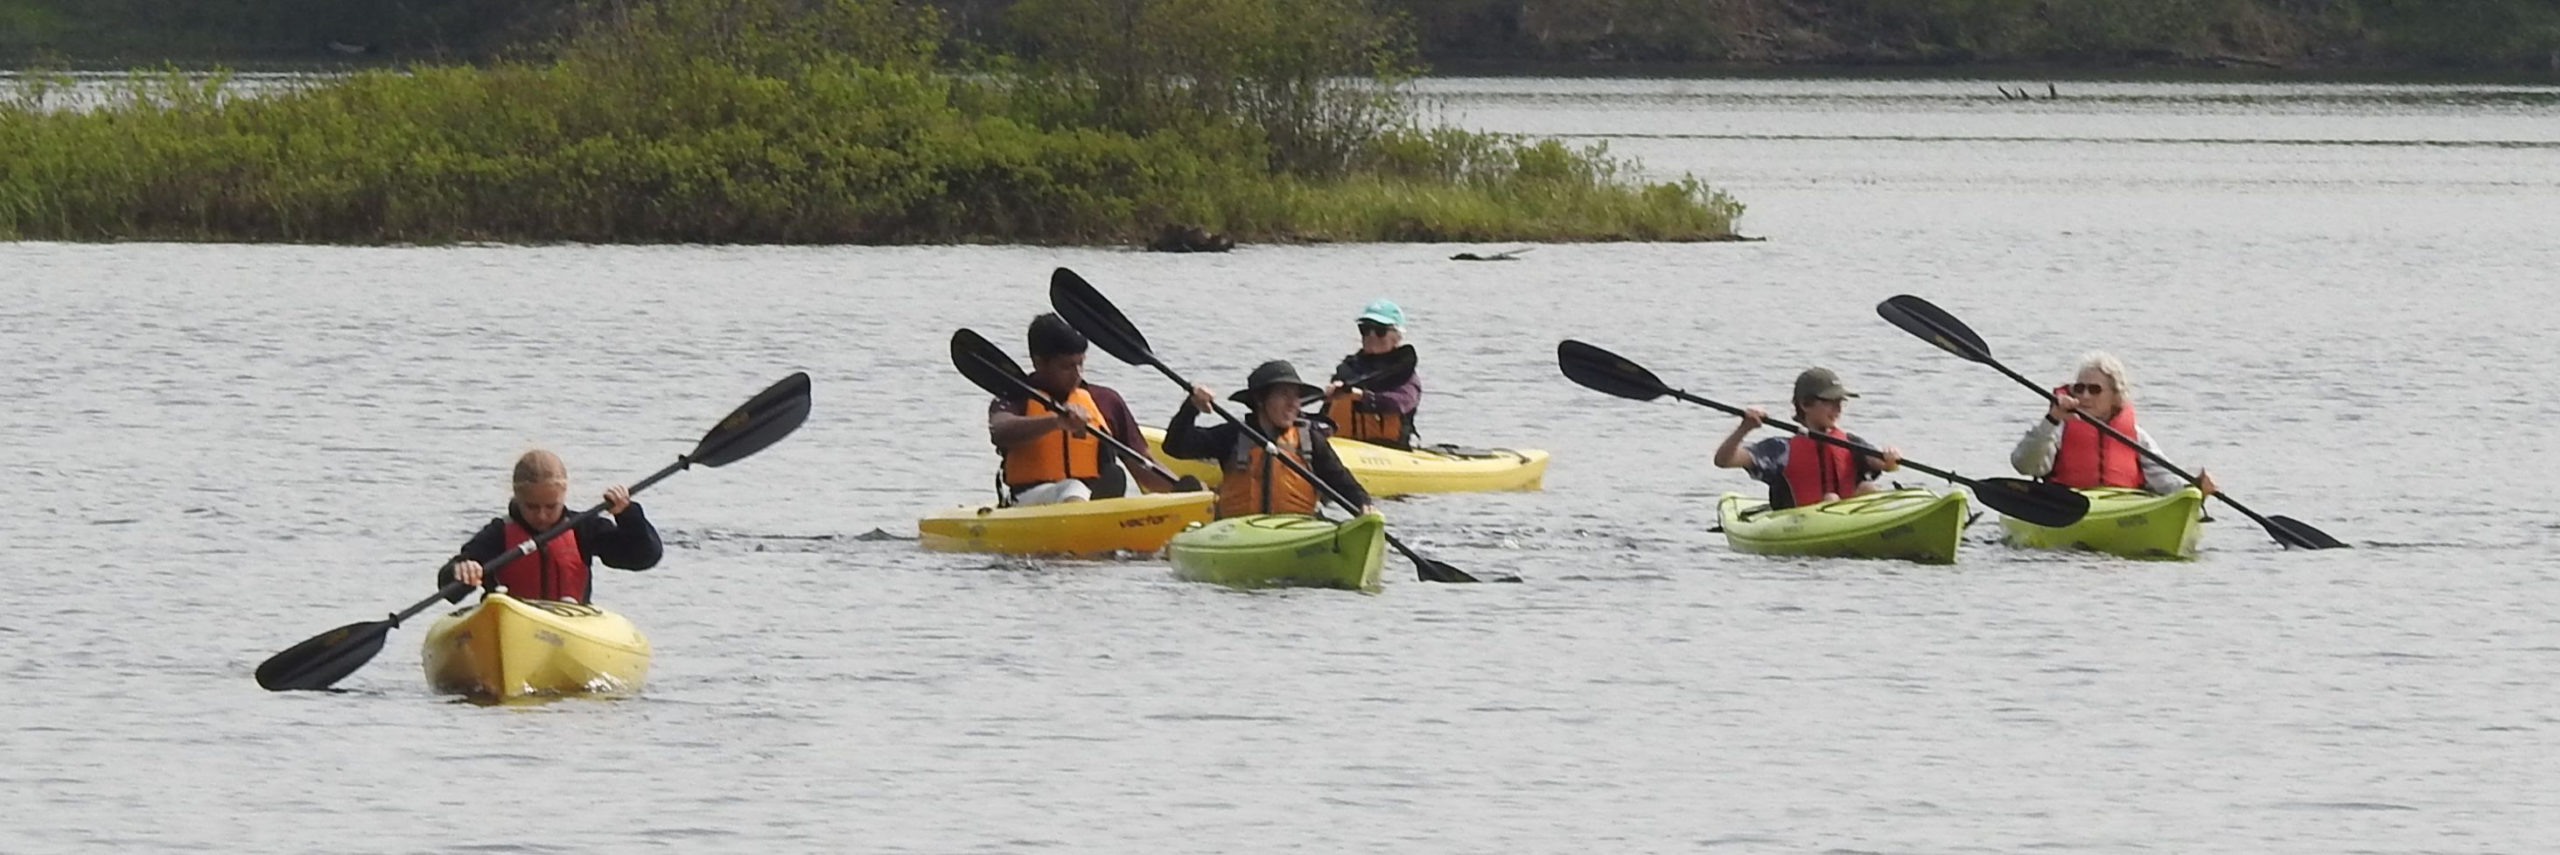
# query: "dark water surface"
2337,298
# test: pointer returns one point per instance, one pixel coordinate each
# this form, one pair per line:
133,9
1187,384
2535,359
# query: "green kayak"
2130,523
1911,524
1270,550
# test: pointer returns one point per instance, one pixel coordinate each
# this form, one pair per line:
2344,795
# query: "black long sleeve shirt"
1185,439
624,541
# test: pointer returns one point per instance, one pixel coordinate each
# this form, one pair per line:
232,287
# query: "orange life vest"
1816,469
1057,458
1385,427
555,571
2088,457
1256,484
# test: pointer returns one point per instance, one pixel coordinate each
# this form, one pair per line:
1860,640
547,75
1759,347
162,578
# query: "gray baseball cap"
1821,383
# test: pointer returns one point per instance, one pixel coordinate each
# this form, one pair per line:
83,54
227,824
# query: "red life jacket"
555,571
2088,457
1815,469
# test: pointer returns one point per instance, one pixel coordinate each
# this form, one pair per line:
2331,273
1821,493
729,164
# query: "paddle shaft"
1294,466
457,589
1093,314
1106,437
1348,385
1826,439
2138,447
1301,469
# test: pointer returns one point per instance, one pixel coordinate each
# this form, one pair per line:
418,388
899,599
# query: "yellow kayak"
1387,471
1132,524
503,648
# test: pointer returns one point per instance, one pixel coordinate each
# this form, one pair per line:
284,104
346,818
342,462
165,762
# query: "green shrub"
791,121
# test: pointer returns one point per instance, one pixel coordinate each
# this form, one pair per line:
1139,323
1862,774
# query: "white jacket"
2034,456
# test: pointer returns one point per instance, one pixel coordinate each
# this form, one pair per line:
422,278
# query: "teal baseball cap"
1383,311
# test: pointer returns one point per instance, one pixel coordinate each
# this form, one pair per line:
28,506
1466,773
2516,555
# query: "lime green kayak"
1910,524
1270,550
2129,523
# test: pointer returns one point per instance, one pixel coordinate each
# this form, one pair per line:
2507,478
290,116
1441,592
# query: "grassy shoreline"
753,122
544,155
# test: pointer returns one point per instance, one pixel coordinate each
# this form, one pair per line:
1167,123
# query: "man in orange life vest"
1801,471
1254,482
2065,450
1380,416
558,569
1052,457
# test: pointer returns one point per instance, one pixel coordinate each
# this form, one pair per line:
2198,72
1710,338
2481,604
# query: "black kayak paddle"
2037,502
1092,314
1935,326
324,659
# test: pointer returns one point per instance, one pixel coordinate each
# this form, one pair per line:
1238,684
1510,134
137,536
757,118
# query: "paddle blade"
1607,372
324,659
1397,370
763,420
1394,369
1933,325
1429,570
2300,535
2039,502
986,365
1090,313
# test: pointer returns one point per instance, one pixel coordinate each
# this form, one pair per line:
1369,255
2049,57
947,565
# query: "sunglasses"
2086,388
1375,329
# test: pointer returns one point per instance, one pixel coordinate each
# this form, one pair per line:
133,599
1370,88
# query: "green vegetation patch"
815,121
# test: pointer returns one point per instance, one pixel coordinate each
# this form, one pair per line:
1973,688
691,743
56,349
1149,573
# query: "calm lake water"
2336,298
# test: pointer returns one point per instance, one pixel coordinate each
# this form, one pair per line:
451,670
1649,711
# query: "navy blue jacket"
624,542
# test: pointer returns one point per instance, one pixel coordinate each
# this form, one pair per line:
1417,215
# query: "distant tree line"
187,30
2481,34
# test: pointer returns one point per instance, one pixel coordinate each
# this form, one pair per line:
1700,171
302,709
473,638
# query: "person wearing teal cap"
1369,411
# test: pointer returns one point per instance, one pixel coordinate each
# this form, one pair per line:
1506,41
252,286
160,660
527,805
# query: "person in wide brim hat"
1275,374
1802,471
1254,480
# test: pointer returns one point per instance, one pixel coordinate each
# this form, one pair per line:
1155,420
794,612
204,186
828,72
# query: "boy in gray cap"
1801,471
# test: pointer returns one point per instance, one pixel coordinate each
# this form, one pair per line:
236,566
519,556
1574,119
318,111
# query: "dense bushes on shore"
803,121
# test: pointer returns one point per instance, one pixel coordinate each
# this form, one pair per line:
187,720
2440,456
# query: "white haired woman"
2067,451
